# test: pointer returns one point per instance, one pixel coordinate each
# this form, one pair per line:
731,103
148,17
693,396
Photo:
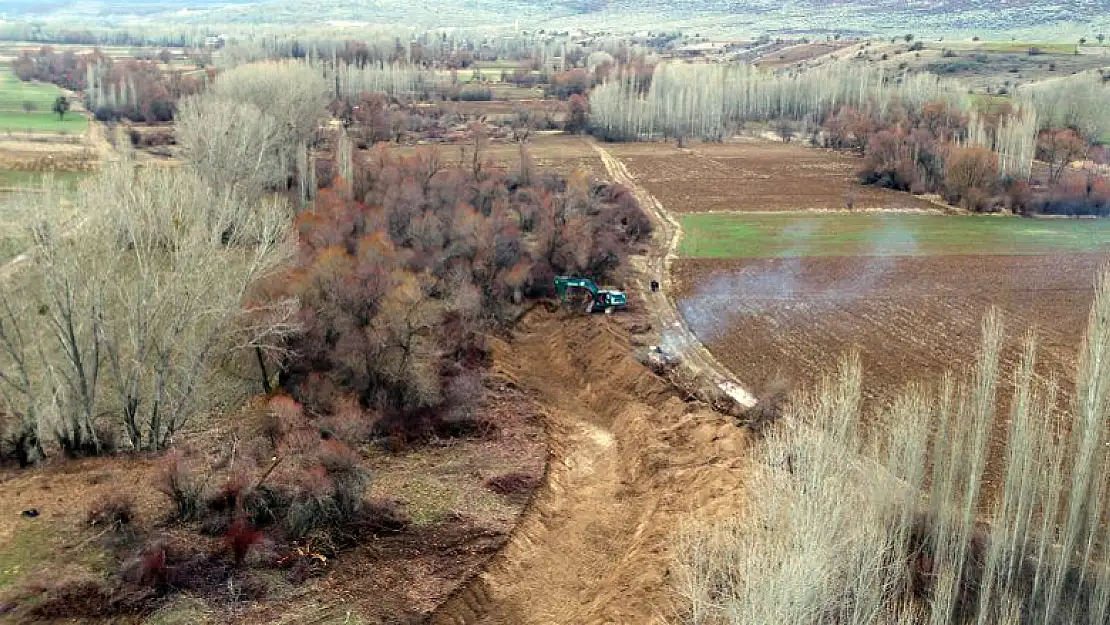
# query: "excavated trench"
630,461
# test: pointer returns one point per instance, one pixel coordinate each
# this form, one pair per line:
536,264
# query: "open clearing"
754,175
884,234
40,121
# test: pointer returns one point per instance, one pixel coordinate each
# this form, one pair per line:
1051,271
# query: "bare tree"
785,130
232,145
245,132
1059,147
523,121
135,310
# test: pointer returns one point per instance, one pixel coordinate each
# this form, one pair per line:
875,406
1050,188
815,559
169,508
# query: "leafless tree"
232,145
133,311
246,131
523,121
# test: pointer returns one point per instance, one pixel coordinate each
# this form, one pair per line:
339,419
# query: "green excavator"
583,294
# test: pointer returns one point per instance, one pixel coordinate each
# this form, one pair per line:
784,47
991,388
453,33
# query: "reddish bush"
971,176
1077,197
579,115
398,288
240,538
1059,147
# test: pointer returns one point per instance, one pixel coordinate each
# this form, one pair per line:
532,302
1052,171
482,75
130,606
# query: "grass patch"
43,121
793,235
14,92
32,179
30,545
427,499
38,545
184,610
988,103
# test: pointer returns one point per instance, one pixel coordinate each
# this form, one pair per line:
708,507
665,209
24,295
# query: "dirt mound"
629,460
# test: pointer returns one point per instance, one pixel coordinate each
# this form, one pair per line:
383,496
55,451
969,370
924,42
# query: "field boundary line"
667,236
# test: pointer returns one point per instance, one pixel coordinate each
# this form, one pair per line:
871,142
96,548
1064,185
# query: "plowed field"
754,175
910,318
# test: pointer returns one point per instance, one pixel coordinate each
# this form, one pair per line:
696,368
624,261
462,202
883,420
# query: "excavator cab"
616,299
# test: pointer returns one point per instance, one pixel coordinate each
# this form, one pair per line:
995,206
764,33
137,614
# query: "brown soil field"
800,53
754,175
910,318
556,152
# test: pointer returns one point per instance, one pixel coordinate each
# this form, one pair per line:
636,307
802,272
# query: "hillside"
1066,19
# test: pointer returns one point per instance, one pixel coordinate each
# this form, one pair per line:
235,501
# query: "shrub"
182,486
475,94
384,517
115,512
240,538
971,175
327,502
769,409
515,485
81,599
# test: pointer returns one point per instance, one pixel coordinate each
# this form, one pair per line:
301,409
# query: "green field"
73,124
13,117
791,235
30,179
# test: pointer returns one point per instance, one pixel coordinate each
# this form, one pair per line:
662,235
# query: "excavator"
584,294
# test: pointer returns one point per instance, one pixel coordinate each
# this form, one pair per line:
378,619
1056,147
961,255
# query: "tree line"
163,296
917,132
114,89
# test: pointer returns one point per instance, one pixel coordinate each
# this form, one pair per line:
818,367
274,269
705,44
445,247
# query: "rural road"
675,332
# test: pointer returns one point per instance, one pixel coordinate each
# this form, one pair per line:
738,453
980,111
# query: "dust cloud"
780,285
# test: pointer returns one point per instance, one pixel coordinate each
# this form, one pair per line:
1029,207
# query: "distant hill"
1058,20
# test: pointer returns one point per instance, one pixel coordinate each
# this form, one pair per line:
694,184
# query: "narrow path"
676,333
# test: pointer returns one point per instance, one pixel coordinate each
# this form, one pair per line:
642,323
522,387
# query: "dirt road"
630,461
675,333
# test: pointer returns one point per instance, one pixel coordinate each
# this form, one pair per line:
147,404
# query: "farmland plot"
753,175
910,318
27,107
